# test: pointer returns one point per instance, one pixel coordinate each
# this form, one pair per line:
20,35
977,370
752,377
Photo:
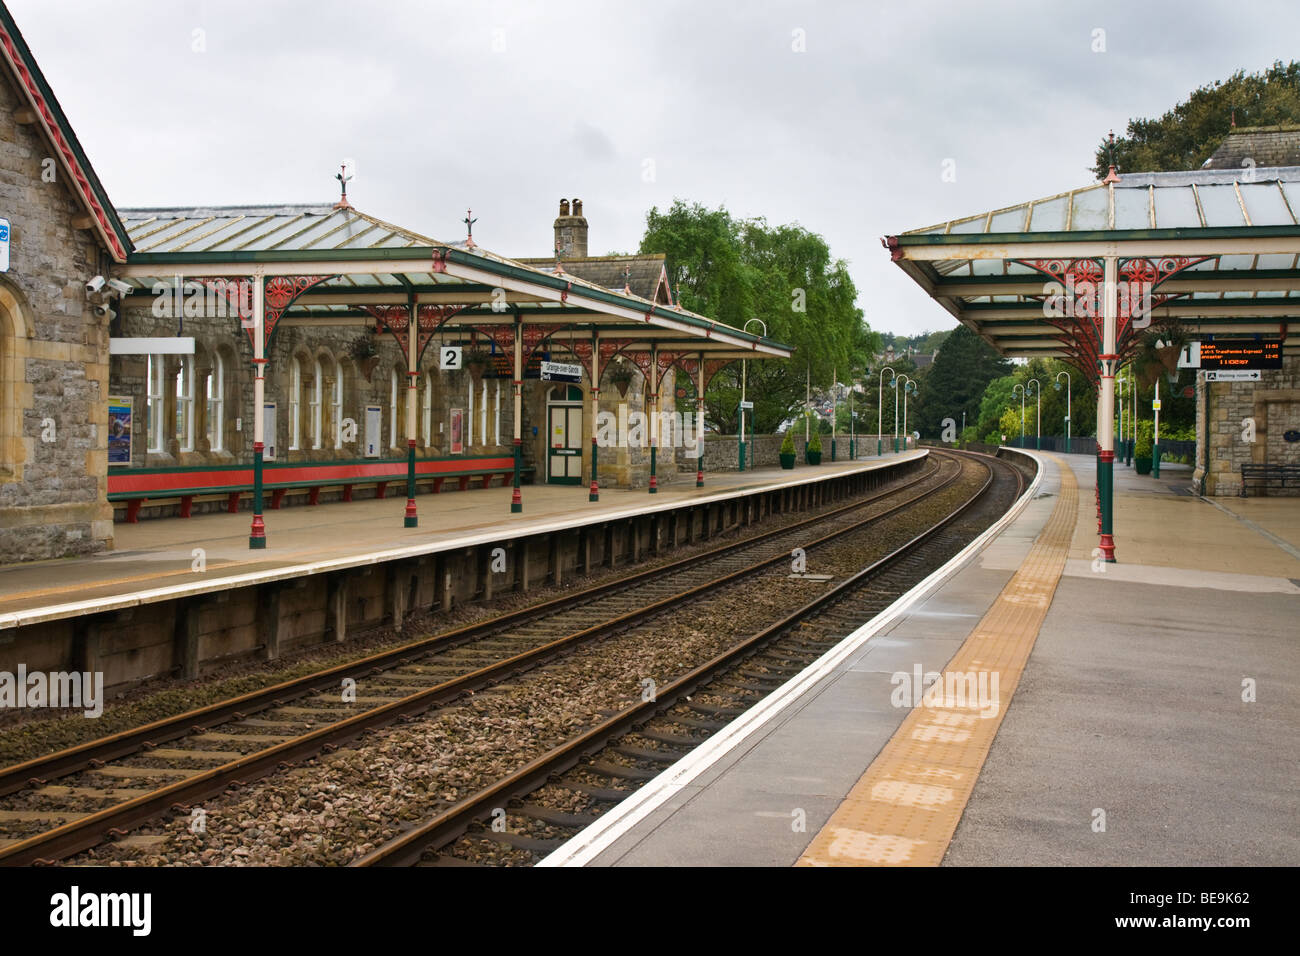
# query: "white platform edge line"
51,612
589,843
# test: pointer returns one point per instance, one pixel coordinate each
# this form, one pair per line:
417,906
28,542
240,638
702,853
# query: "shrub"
815,442
1145,432
787,443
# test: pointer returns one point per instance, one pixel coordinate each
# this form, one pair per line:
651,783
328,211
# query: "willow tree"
734,270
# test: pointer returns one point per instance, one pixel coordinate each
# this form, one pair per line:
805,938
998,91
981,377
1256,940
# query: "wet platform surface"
1153,721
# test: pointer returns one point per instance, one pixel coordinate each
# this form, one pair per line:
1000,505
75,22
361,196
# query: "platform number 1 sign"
449,357
4,245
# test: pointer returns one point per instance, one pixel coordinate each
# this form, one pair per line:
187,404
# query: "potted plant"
1142,450
787,454
620,376
813,453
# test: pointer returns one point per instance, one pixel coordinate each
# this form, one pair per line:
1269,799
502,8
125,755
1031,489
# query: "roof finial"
1233,121
1111,176
627,279
677,297
469,228
343,183
558,252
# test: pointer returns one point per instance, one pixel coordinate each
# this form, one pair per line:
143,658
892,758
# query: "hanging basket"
621,379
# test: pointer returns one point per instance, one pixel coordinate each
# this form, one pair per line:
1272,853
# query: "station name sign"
1241,354
561,372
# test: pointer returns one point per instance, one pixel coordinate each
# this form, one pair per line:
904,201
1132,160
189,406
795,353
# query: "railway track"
107,787
524,816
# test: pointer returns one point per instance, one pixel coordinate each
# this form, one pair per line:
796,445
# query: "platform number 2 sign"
449,357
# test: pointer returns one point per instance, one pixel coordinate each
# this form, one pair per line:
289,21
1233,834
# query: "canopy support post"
516,500
1106,413
257,535
653,403
699,423
594,493
411,519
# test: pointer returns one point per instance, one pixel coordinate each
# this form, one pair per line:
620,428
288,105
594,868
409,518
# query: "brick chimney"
571,230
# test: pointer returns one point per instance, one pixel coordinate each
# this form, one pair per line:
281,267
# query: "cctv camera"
95,284
105,311
120,287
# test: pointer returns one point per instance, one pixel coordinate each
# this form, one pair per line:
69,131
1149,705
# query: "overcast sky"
507,106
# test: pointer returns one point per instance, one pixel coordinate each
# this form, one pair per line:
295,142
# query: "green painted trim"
1243,275
286,255
560,283
273,465
523,274
272,485
1095,235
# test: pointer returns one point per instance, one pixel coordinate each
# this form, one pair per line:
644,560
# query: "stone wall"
722,454
53,359
366,381
337,351
1274,404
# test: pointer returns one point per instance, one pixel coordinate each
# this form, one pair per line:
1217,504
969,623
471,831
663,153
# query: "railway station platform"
155,559
1143,714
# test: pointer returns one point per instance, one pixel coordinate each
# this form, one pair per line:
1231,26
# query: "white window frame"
338,405
428,409
184,384
317,401
392,410
216,406
157,400
295,399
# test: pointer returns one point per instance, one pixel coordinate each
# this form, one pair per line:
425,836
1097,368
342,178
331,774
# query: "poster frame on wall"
120,424
456,443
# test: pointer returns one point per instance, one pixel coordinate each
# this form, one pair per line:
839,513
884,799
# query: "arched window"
317,404
157,400
392,410
185,403
295,401
427,422
337,404
216,390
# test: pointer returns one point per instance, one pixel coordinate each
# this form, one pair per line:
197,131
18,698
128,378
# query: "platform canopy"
1220,250
343,265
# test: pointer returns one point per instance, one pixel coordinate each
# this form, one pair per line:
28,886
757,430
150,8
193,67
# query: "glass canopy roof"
1238,229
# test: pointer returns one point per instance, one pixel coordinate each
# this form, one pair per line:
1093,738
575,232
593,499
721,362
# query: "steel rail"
88,831
40,770
407,848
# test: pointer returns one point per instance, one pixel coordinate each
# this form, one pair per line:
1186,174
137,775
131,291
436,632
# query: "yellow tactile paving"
905,808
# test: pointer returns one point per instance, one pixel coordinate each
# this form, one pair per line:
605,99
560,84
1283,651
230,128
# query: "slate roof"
647,279
1259,146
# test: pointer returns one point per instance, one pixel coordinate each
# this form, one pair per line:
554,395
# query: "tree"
1184,137
956,381
736,270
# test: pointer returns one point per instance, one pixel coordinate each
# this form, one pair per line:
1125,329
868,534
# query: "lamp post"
1038,391
744,369
880,407
909,386
835,410
1068,411
1022,410
1155,444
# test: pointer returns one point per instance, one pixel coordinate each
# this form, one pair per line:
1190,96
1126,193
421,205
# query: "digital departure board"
1241,353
